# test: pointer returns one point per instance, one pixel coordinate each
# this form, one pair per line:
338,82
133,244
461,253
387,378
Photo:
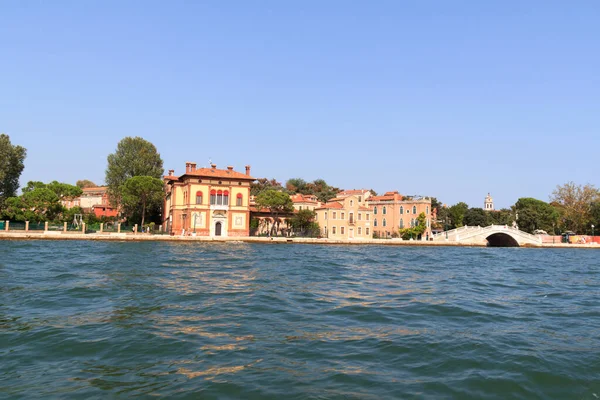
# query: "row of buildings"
217,202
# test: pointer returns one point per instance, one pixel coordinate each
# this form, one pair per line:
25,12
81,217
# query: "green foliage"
134,157
574,204
416,231
457,214
476,217
264,184
303,222
12,159
41,204
84,184
276,202
141,192
501,217
535,214
318,188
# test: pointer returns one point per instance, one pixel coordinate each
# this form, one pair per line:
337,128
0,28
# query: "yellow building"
345,217
207,202
392,212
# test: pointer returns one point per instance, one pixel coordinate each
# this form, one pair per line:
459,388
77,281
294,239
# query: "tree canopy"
318,188
141,192
276,202
134,156
476,217
535,214
84,184
264,184
574,204
12,159
457,213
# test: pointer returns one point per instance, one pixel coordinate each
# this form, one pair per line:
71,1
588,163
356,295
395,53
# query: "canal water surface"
234,320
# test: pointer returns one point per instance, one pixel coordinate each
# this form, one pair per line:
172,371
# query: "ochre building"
207,202
392,212
345,217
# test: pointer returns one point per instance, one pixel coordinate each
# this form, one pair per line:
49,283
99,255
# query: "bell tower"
489,203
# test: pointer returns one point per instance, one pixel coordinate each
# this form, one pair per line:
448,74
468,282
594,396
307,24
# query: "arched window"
401,224
198,197
219,197
226,198
384,222
414,209
213,197
239,199
427,210
375,222
384,211
401,210
375,210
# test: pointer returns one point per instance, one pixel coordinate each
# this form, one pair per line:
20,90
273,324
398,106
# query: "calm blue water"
104,320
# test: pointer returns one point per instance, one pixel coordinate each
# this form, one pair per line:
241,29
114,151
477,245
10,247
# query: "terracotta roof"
170,177
95,189
333,204
219,173
300,198
354,191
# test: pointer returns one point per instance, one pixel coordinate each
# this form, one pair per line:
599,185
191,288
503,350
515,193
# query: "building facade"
207,202
305,202
392,212
345,217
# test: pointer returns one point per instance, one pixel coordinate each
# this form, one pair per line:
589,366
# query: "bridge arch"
501,239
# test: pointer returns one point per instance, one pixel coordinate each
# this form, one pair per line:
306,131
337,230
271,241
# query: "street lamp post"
593,231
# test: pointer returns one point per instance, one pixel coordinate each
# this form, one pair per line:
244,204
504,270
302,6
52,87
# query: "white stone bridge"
493,235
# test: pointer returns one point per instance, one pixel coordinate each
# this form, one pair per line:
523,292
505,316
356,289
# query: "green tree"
297,185
41,204
535,214
503,216
264,184
322,190
141,192
476,217
414,232
457,214
277,203
575,205
304,222
12,159
84,184
134,157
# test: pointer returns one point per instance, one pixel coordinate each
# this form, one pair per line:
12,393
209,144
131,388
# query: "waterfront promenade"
145,237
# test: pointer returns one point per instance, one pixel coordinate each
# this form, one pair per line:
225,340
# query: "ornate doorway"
218,229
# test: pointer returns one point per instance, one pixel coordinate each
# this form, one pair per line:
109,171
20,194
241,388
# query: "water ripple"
233,320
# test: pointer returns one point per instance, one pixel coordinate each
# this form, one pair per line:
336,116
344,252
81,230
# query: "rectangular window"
342,230
359,216
325,214
213,199
238,201
368,217
334,215
342,216
333,230
367,231
359,230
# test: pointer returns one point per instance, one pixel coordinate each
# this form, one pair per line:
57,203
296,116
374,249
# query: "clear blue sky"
452,99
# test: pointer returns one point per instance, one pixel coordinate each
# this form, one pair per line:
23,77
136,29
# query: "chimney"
187,167
171,172
192,167
248,170
229,168
213,166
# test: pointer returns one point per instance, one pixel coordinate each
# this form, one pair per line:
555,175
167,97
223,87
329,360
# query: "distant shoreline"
141,237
